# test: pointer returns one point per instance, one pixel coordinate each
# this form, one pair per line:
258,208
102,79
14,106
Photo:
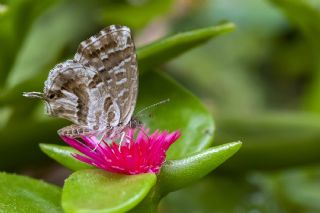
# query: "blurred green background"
261,83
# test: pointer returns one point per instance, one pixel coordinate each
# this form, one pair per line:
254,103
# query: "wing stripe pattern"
111,53
97,90
71,96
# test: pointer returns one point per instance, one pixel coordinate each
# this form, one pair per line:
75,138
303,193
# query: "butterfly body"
97,90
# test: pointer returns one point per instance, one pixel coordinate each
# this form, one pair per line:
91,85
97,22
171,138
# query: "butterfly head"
64,92
62,99
55,101
53,104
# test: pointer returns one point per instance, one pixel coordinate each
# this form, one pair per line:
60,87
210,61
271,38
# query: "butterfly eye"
52,96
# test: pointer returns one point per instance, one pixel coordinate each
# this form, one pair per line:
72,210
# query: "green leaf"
24,194
62,154
166,49
89,191
282,137
177,174
183,112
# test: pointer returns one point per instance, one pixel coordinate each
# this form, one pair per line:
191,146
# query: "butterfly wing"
68,92
111,53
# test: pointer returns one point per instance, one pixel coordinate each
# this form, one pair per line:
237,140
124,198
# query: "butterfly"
96,90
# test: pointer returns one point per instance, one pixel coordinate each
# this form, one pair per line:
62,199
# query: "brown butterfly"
97,90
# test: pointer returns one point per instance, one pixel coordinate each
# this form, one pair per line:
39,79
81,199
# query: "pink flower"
145,154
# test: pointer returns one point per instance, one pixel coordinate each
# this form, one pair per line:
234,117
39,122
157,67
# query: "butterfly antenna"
153,105
39,95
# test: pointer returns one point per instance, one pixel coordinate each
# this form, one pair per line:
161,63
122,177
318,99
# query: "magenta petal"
143,154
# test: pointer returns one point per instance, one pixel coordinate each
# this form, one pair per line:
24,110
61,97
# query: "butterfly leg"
74,131
123,134
100,138
108,134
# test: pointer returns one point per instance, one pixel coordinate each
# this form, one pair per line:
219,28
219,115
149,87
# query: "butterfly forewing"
111,53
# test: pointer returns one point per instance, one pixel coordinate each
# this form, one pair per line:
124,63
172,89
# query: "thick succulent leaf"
184,112
165,49
282,137
23,194
177,174
62,154
94,190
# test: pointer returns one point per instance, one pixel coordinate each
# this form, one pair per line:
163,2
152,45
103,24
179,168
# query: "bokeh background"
261,83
